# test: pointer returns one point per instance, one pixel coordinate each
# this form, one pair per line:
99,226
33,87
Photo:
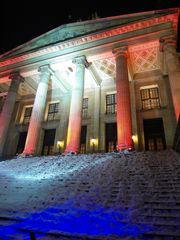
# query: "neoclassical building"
93,86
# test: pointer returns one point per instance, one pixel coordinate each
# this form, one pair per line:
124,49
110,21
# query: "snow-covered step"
163,235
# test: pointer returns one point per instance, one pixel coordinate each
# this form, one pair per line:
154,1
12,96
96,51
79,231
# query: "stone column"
75,115
124,124
97,104
63,124
7,110
168,46
134,115
37,115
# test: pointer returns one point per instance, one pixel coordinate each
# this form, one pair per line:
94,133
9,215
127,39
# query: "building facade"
93,86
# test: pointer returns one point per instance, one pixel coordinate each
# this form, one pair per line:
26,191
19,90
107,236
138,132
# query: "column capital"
45,73
120,51
81,60
15,76
45,69
167,41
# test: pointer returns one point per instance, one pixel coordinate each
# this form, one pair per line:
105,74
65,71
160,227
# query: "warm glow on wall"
60,144
94,142
135,138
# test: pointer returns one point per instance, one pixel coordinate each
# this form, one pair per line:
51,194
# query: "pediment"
73,30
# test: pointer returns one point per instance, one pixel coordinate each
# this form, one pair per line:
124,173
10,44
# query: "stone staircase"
138,195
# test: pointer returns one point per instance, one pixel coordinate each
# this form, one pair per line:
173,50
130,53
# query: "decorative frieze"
145,60
145,57
105,67
173,18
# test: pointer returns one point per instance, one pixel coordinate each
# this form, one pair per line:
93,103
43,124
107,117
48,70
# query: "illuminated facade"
93,86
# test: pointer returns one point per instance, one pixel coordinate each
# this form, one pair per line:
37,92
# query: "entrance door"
48,143
21,142
154,134
83,139
111,137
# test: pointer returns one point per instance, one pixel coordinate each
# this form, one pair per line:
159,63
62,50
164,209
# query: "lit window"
110,103
150,98
85,108
151,145
27,115
83,148
53,111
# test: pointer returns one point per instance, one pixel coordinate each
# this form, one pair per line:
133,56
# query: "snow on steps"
143,185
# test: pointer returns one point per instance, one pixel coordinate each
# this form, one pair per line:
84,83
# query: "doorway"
21,142
83,139
111,137
48,143
154,134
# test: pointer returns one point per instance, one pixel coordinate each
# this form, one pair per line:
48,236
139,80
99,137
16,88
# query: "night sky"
23,21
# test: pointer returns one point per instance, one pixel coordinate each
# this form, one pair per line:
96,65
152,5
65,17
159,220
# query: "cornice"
142,46
95,37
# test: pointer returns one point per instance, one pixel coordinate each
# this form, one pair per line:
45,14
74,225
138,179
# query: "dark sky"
23,21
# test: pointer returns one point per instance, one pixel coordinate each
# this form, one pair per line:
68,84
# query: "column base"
124,151
69,153
122,147
24,155
71,149
28,153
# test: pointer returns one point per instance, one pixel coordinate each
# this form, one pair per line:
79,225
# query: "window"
27,115
53,111
110,103
2,100
83,139
85,108
150,98
83,148
1,103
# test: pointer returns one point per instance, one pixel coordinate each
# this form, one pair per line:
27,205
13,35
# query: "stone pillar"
96,122
75,115
7,110
63,124
168,46
124,124
37,112
134,115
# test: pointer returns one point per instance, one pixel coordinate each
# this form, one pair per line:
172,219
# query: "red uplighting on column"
124,122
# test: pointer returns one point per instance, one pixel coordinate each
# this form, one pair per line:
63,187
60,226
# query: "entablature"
99,38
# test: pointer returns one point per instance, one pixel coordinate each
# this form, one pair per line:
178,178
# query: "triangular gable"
78,29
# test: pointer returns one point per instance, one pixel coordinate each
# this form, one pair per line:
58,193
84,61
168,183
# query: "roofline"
91,21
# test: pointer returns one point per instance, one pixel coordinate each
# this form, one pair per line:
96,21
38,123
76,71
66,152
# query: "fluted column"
124,124
37,112
75,115
168,46
7,110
